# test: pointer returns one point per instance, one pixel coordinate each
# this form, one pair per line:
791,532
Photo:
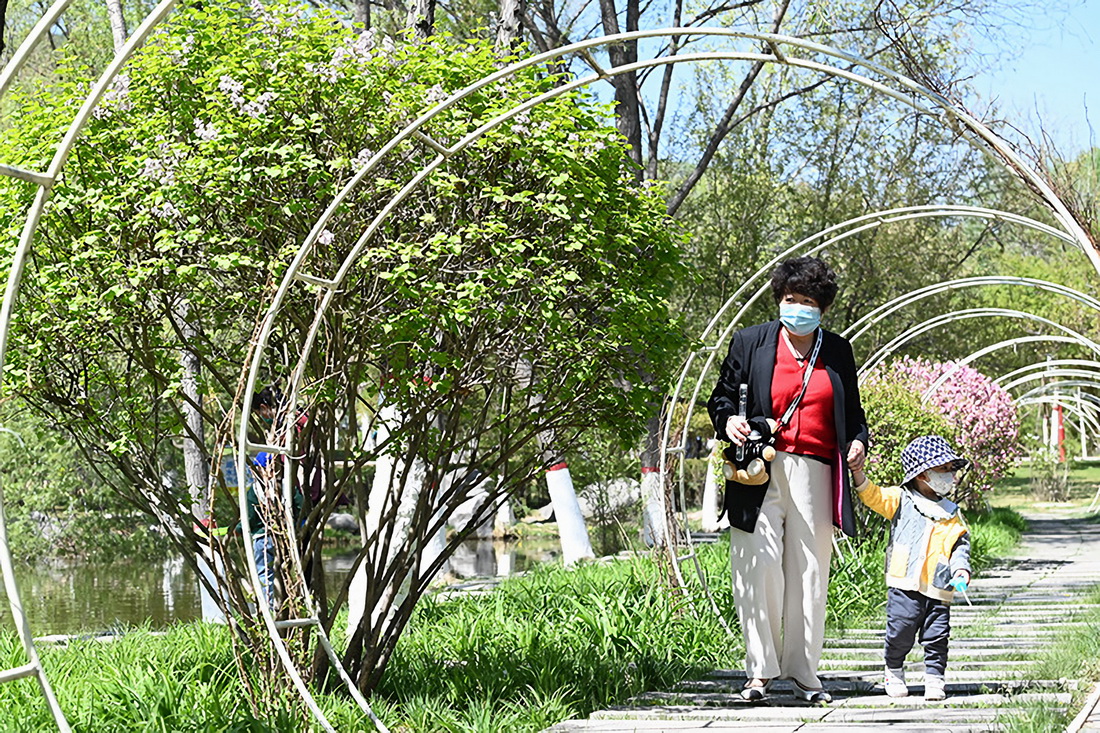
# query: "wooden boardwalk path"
1018,607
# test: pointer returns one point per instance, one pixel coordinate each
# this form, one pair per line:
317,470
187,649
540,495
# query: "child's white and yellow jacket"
929,541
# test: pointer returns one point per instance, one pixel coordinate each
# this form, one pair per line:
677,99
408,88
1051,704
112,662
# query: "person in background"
782,529
927,559
263,541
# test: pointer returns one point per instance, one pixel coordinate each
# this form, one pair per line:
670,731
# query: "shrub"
982,417
507,298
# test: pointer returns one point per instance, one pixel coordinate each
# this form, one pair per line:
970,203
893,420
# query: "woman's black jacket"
751,360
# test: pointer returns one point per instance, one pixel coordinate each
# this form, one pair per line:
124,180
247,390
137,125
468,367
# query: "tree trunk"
628,113
575,543
710,521
511,18
421,18
655,509
118,23
3,22
196,469
361,15
195,466
572,532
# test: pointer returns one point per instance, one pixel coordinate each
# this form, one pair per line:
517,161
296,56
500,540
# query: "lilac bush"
983,417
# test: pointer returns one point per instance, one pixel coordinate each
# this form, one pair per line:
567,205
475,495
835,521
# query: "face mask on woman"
801,320
942,482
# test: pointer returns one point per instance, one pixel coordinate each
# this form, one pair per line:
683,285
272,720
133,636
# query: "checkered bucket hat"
929,451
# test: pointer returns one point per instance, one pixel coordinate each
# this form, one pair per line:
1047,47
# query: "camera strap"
805,383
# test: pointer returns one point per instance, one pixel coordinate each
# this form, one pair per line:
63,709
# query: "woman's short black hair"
805,276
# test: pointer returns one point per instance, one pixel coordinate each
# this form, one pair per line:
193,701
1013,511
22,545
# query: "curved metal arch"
847,229
955,366
829,236
1060,383
45,182
981,137
1046,364
865,323
1029,378
1086,411
960,315
939,107
330,283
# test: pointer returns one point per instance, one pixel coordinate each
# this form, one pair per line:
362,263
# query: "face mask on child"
942,482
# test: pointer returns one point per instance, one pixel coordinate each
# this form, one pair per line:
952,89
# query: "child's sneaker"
895,683
934,688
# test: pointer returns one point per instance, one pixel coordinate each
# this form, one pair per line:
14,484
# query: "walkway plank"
1018,608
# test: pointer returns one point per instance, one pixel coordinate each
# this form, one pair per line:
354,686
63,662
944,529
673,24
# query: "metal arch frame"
1083,398
985,351
1050,373
1045,364
1045,388
45,182
960,315
829,236
1041,394
935,106
874,317
840,232
968,127
1091,414
1086,398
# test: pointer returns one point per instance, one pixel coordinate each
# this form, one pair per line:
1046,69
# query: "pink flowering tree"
981,416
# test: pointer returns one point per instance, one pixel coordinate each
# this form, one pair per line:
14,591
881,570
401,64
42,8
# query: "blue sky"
1049,72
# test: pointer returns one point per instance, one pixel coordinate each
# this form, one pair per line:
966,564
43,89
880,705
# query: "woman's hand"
737,429
857,455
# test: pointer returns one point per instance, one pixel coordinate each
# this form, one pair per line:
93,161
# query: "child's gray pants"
906,613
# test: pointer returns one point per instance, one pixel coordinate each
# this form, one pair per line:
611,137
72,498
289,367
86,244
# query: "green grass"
1073,655
548,646
1015,491
541,648
183,681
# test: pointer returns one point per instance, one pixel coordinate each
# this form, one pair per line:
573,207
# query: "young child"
927,560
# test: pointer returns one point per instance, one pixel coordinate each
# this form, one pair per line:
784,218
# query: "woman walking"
781,538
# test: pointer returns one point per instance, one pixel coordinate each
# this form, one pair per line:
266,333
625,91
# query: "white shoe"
808,694
756,689
895,683
934,688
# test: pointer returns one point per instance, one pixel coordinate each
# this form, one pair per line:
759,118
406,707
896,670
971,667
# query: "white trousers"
781,572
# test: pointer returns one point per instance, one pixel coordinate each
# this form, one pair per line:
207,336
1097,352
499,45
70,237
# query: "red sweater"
811,430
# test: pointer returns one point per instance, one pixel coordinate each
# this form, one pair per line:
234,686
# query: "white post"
505,518
505,560
1081,427
710,522
575,544
211,611
654,516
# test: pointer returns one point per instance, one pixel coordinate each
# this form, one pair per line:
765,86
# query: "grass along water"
541,648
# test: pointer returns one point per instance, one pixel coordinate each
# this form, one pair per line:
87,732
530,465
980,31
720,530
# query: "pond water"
92,597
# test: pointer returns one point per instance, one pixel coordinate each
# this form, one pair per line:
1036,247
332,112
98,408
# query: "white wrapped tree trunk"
387,472
654,516
710,522
505,518
575,544
211,611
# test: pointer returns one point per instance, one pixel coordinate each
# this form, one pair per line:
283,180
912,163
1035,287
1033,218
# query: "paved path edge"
1092,703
